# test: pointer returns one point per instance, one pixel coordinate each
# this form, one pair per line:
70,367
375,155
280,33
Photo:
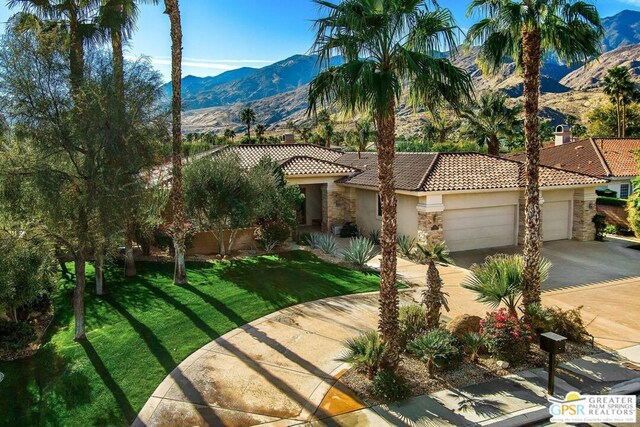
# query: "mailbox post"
553,344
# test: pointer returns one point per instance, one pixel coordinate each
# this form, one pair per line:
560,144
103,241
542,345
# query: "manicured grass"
145,326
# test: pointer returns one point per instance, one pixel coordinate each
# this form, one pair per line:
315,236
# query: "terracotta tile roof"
303,165
459,171
251,154
409,168
604,157
618,155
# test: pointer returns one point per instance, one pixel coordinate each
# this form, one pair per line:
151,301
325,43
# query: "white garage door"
555,220
477,228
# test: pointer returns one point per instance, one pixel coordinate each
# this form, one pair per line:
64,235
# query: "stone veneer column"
430,219
584,209
338,205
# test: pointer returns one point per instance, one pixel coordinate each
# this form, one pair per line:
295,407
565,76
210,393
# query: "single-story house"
609,158
471,200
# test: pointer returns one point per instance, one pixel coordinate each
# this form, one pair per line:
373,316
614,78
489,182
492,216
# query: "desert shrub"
360,251
374,236
610,229
600,222
438,348
508,338
313,240
349,229
364,352
271,234
327,244
412,322
473,343
567,323
406,245
15,336
389,386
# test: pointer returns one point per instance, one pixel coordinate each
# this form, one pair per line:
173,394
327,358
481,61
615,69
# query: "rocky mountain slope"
278,92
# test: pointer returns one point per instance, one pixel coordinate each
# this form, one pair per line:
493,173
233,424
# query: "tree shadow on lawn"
296,277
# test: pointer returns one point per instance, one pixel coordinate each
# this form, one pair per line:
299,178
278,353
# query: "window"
379,206
624,191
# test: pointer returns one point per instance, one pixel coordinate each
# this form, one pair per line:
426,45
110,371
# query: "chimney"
563,134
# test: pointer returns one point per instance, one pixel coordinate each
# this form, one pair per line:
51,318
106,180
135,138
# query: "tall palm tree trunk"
531,57
389,305
624,118
619,118
431,297
179,233
494,146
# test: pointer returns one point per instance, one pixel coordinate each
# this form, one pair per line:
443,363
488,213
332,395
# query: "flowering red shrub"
508,338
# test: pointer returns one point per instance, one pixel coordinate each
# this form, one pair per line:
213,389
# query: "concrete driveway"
574,263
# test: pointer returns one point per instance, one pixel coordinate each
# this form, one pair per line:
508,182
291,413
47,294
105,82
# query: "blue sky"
220,35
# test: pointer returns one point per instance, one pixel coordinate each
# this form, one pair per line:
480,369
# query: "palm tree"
433,297
526,31
179,231
617,84
117,20
500,280
364,133
385,44
489,119
305,133
248,116
230,134
260,130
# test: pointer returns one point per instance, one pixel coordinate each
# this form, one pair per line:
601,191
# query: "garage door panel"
555,220
466,229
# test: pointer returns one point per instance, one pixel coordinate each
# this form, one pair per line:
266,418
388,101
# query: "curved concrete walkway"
278,369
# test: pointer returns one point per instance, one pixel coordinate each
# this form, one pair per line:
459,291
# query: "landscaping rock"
463,324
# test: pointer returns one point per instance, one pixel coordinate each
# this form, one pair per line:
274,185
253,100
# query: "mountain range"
278,92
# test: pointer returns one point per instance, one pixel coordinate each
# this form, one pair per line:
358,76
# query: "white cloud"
222,64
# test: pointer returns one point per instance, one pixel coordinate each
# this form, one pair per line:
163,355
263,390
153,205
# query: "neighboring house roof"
304,165
604,157
251,154
457,171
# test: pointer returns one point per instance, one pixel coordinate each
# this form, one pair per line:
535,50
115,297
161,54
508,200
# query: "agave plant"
500,280
433,297
406,244
360,251
314,240
473,343
437,348
374,235
327,244
364,352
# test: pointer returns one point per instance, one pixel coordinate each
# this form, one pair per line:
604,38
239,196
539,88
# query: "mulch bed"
415,372
40,320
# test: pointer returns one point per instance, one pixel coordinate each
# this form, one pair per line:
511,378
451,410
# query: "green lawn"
145,326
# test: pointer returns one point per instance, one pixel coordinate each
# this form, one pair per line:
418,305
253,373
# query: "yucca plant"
473,343
437,348
364,352
406,244
500,280
360,251
434,298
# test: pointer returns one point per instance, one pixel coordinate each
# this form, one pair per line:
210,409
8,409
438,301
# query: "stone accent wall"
338,206
583,227
430,225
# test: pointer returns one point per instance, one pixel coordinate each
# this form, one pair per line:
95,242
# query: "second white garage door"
477,228
555,220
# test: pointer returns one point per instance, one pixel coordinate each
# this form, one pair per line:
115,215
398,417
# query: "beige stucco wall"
367,212
480,200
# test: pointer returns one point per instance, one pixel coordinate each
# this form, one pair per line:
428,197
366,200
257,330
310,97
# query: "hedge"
611,201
